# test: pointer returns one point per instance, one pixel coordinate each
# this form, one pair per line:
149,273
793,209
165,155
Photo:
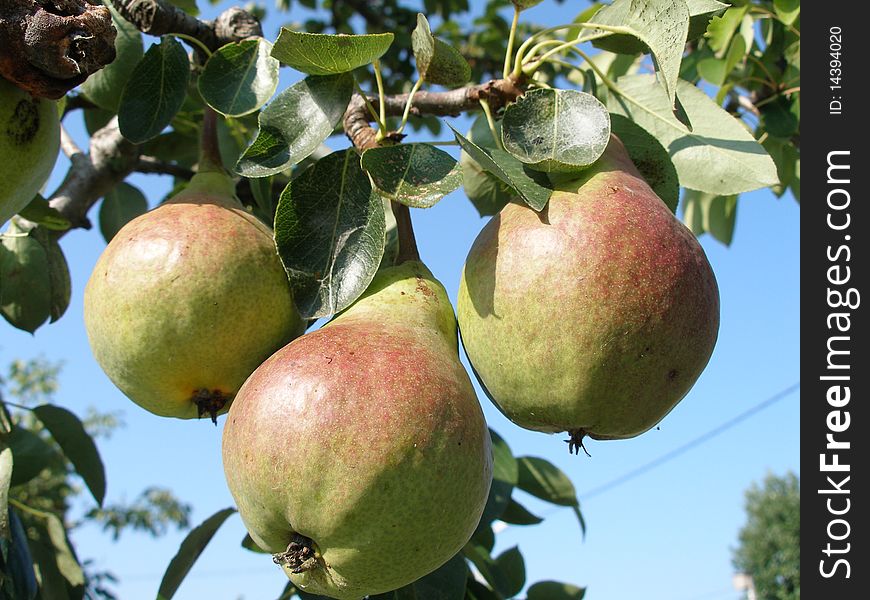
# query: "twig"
498,92
149,164
68,145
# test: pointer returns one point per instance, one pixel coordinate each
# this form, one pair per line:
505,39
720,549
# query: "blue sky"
664,535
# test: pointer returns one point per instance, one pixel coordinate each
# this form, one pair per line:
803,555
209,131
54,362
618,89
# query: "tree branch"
48,48
149,164
109,160
160,17
110,157
497,93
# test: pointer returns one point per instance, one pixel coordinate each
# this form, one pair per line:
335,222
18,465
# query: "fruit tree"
278,287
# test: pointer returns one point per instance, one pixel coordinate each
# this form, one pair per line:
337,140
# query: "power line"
689,445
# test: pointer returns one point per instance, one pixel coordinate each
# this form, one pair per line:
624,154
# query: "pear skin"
187,300
358,454
29,144
595,316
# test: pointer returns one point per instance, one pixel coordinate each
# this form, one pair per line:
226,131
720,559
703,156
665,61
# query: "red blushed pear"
358,454
595,316
187,300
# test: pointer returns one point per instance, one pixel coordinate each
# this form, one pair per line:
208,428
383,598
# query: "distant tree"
40,495
769,548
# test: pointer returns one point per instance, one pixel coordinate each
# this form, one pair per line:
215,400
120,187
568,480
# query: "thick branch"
48,47
110,157
160,17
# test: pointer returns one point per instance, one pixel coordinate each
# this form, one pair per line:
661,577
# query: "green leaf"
328,54
700,14
58,273
487,193
239,77
65,558
553,590
544,480
155,91
417,175
120,206
190,549
484,536
19,562
41,213
717,70
329,230
60,575
531,186
288,592
295,124
777,118
662,25
445,583
77,445
513,570
504,477
722,29
31,454
787,10
787,160
650,158
717,156
710,213
524,4
5,481
261,190
104,87
480,558
248,543
517,514
437,62
188,6
25,283
474,590
556,130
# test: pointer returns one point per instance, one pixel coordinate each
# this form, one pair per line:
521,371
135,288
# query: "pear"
187,300
595,316
29,144
358,454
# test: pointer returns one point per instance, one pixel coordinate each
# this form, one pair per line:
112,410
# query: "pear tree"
280,287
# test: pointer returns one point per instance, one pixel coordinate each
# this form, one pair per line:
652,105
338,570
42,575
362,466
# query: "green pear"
595,316
358,454
187,300
29,144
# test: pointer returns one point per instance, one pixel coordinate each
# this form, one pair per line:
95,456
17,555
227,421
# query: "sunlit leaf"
190,549
556,130
295,123
329,230
417,175
328,54
239,77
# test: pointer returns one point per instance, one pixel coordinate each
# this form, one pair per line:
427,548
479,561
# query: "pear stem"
209,150
405,229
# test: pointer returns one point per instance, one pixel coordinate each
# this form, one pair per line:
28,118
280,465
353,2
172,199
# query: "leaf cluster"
45,450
